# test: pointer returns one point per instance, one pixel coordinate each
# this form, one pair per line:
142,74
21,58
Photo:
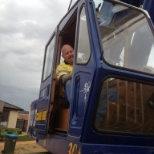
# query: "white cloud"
26,26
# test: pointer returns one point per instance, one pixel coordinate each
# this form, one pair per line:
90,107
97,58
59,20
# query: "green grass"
24,138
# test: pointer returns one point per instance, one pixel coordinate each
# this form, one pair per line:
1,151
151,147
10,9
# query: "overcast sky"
25,28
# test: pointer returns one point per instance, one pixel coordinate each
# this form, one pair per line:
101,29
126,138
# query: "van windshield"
127,38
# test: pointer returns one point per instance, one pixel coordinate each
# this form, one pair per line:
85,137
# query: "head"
68,53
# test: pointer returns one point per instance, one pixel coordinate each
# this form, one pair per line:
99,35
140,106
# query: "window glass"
83,51
48,68
4,118
125,107
127,38
72,3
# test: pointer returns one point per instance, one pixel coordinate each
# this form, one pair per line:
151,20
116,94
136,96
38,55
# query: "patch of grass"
24,138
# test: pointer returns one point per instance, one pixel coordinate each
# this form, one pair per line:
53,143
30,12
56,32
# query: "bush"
2,134
4,131
13,130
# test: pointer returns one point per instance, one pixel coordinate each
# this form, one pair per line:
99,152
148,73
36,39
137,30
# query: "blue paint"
149,6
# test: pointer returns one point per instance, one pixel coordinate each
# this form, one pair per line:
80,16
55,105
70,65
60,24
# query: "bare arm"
66,77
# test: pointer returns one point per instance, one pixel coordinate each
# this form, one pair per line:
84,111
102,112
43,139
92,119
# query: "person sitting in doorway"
64,69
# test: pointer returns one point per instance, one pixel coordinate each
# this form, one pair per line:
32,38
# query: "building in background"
22,120
8,114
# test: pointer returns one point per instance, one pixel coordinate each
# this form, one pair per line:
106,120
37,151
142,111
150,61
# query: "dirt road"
26,147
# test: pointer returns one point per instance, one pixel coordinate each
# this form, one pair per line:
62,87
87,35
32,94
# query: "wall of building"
22,122
1,106
12,119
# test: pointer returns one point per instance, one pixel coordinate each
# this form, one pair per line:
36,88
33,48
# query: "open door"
45,103
59,117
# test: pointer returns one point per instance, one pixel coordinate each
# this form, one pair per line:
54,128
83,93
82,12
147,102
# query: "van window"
127,38
48,64
125,107
83,51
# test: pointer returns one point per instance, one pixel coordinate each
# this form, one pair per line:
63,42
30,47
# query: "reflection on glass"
125,107
126,36
49,59
84,51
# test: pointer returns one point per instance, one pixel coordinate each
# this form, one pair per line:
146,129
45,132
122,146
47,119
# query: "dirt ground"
26,147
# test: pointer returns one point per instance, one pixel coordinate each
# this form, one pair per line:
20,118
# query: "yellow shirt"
63,69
